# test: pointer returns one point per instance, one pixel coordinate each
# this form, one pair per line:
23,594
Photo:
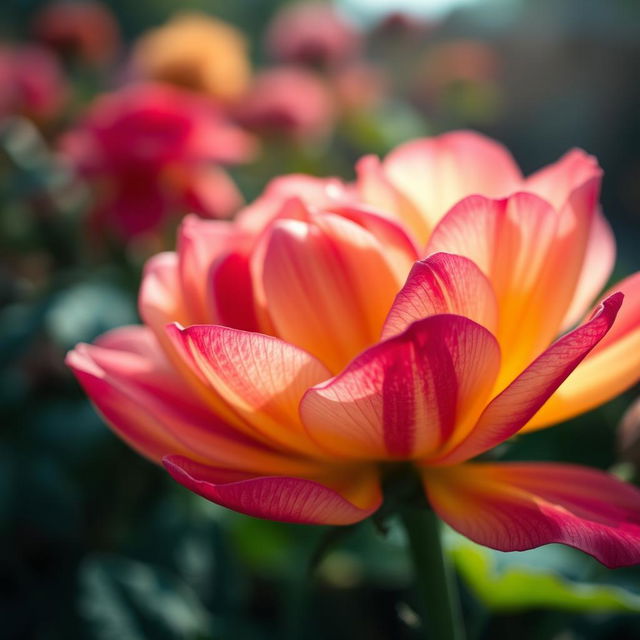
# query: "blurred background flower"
153,152
80,31
197,52
33,83
288,102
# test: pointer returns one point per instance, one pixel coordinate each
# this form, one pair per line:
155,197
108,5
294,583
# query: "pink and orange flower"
421,316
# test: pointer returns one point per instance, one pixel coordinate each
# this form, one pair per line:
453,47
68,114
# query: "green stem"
434,578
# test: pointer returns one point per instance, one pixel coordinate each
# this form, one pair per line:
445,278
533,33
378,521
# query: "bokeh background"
96,542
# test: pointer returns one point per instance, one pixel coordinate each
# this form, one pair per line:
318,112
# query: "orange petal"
506,414
317,279
260,377
612,367
531,254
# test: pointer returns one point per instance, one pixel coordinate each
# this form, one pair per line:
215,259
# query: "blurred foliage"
97,543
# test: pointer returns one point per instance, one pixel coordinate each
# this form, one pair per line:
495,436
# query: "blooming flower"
153,151
287,355
198,52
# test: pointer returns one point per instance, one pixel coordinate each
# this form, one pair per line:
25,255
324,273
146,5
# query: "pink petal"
200,242
232,293
435,173
508,412
612,366
556,181
261,378
149,405
443,283
403,397
519,506
340,498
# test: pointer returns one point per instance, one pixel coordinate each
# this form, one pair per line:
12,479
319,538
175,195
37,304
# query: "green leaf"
510,582
122,598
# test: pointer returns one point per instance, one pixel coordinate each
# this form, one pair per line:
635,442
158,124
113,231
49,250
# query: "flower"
86,30
286,356
290,102
153,151
197,52
32,82
311,33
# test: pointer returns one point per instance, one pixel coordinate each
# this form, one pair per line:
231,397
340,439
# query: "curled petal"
612,367
148,404
338,498
443,283
435,173
508,412
519,506
403,397
261,378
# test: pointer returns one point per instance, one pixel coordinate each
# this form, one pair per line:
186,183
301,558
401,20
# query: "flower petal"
200,242
443,283
231,292
317,279
598,264
435,173
531,254
519,506
340,498
160,300
377,190
403,397
510,410
556,181
612,367
260,377
135,388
